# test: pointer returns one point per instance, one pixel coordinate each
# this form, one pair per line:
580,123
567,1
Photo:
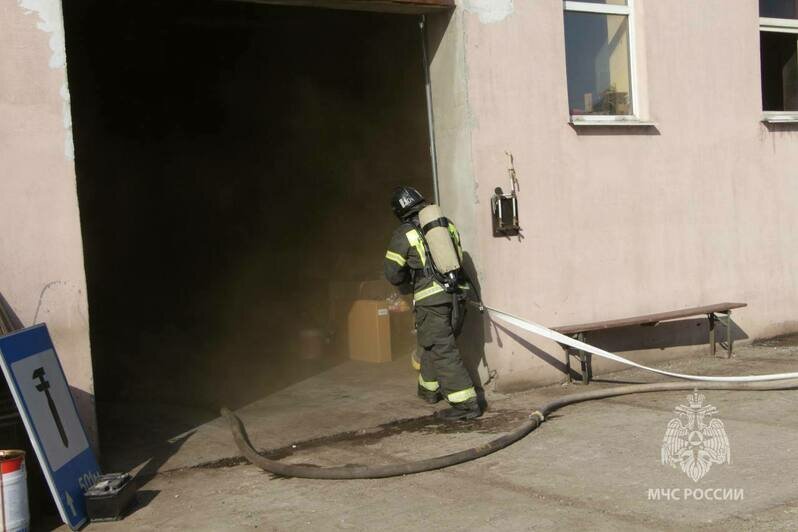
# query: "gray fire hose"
536,418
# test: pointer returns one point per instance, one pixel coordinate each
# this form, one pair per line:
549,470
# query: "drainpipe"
430,118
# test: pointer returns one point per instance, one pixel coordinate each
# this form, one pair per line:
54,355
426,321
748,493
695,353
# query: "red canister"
13,491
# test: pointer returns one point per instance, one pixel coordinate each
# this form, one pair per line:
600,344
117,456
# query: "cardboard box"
379,289
369,331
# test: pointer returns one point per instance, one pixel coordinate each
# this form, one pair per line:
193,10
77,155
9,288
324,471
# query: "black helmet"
405,200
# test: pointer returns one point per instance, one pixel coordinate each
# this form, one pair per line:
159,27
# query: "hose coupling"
537,414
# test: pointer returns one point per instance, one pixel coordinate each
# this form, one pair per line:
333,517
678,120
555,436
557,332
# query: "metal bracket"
726,321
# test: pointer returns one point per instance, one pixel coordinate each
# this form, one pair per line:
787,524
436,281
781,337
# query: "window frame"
778,25
628,11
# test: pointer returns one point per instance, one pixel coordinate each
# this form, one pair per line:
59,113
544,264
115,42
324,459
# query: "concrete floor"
590,465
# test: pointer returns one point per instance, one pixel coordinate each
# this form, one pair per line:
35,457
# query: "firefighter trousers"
442,368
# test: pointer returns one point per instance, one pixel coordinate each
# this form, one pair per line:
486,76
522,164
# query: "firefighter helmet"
406,200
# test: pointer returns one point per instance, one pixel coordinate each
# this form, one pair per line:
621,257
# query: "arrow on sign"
71,504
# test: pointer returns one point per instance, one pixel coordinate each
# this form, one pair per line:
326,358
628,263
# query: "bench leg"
729,340
584,359
712,319
567,364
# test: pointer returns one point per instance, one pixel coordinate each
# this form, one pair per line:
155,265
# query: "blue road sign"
37,382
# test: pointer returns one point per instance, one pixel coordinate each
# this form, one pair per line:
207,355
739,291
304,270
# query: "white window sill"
780,118
610,121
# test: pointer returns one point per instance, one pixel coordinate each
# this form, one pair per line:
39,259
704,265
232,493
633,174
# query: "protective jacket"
406,261
438,318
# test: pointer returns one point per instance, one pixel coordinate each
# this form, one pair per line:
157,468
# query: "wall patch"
489,11
51,21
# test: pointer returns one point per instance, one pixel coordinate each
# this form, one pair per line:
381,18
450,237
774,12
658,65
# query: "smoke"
234,174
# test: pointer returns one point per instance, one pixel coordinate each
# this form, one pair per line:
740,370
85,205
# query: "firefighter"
439,314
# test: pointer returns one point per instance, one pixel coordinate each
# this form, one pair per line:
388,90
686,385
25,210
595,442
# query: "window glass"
779,71
597,64
778,8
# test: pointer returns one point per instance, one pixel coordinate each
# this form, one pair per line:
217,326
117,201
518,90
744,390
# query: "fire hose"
783,381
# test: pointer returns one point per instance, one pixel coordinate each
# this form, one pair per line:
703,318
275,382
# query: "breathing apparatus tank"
445,262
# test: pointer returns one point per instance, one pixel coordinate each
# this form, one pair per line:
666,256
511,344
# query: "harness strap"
440,222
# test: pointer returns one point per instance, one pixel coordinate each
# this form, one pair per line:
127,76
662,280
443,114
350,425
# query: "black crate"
110,497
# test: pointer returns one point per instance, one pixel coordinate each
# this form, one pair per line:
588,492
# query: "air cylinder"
439,240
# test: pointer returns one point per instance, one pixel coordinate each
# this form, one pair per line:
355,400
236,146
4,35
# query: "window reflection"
779,71
597,64
778,8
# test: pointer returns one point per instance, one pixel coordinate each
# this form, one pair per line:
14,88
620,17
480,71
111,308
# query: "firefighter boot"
460,411
429,396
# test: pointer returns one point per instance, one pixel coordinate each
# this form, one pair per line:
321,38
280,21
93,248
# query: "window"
599,58
778,41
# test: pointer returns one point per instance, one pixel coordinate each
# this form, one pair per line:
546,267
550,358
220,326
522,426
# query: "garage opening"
235,163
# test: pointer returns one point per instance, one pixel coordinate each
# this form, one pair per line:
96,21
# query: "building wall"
41,256
619,222
616,222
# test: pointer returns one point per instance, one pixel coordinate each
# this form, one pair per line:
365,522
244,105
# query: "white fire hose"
576,344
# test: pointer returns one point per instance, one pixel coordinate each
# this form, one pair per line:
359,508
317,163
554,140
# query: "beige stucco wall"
616,222
620,222
41,256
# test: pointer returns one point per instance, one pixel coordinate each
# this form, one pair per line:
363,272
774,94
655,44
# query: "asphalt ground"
594,465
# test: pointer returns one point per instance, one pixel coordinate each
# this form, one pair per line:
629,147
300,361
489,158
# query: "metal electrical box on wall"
505,214
504,207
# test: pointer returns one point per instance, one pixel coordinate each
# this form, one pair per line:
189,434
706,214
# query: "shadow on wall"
610,131
476,333
9,321
678,333
84,401
551,360
784,127
437,24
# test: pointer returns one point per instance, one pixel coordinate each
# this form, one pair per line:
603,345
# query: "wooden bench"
718,312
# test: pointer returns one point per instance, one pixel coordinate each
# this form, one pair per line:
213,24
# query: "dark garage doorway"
234,164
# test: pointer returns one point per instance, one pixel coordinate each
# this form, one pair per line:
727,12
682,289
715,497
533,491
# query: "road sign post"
37,382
